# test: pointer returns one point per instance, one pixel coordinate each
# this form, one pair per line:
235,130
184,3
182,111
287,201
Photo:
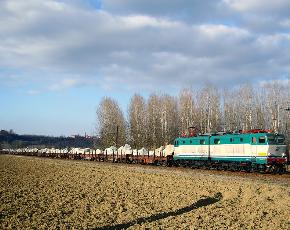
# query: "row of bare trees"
159,119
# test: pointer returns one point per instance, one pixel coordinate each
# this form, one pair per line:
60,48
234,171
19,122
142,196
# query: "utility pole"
208,115
278,117
287,131
117,136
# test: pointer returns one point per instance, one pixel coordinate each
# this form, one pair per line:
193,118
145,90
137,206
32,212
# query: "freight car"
253,150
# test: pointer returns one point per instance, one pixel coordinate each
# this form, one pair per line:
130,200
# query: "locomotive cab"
276,149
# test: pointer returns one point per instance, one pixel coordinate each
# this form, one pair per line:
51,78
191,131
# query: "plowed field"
41,193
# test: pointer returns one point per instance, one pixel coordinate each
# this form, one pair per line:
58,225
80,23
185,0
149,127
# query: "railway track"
148,168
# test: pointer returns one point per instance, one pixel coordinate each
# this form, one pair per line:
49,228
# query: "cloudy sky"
58,58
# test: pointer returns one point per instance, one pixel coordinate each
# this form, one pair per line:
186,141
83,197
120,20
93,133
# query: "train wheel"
282,170
275,169
267,169
177,163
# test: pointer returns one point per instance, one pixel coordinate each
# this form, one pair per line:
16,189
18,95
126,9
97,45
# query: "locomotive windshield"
276,140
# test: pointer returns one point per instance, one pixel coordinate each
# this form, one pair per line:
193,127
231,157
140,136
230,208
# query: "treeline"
13,140
161,118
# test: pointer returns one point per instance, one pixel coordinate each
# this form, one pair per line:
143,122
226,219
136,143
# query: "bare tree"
209,109
154,124
242,108
187,110
112,125
246,96
231,118
277,102
260,110
137,121
168,119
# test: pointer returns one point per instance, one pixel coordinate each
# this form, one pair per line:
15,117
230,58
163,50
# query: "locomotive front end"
276,157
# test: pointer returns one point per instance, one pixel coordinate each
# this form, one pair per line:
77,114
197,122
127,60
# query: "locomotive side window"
274,140
217,141
202,142
280,140
271,140
262,140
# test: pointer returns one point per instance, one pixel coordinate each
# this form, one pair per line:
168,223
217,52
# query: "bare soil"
42,193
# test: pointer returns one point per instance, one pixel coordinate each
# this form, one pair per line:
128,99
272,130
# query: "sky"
59,58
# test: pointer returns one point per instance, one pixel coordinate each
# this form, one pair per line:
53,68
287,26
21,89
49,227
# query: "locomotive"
252,150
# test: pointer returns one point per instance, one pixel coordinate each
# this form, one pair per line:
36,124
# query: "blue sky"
58,58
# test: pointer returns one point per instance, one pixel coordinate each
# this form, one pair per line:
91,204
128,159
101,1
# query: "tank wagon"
253,150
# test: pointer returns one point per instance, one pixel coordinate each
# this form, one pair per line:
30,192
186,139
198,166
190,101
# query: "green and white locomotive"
253,150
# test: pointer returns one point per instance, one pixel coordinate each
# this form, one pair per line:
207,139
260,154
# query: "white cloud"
261,16
139,47
285,23
266,6
217,31
63,84
139,21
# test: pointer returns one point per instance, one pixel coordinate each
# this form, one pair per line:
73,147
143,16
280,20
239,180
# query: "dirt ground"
41,193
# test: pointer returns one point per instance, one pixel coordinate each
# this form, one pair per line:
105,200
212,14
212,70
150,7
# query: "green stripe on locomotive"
252,138
240,159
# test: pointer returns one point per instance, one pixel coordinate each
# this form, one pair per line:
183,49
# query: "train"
250,151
